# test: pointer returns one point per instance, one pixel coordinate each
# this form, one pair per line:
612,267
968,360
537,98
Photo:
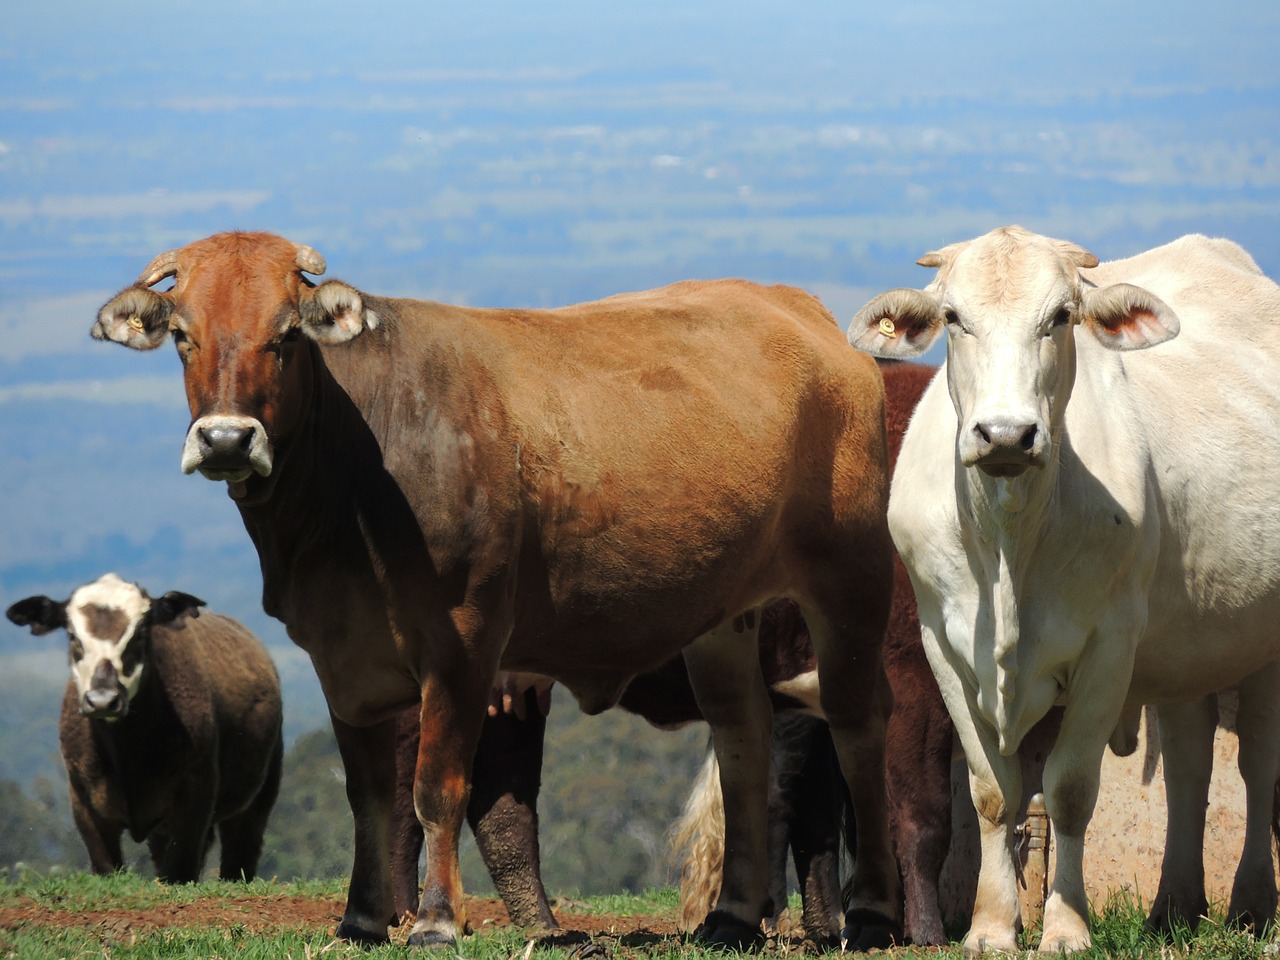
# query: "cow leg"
241,836
919,770
101,838
995,783
368,759
724,670
406,831
1072,772
503,810
1253,894
179,857
1186,738
453,711
856,700
813,798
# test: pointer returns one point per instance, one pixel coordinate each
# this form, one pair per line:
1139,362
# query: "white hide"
1138,560
109,592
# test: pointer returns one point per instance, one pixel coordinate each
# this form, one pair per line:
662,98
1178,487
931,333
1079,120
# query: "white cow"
1120,549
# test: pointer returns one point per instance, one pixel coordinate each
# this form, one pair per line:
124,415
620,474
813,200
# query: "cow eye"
182,342
1062,317
951,317
77,648
283,342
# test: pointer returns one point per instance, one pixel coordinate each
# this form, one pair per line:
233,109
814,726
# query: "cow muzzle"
105,701
1004,446
227,447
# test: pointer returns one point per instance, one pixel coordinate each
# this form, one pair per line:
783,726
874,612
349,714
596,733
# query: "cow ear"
174,607
335,313
1125,317
41,614
899,324
136,317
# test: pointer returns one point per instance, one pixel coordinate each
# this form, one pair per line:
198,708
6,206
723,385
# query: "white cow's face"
1010,354
1010,303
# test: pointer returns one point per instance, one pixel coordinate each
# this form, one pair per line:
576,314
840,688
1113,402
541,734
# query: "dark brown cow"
509,761
170,727
436,492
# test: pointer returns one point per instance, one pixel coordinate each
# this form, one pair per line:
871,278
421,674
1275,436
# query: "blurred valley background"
502,154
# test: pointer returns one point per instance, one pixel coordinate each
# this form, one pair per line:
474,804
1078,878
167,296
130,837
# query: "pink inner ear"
1136,318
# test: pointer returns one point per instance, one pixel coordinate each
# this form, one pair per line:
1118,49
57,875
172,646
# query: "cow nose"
103,700
999,436
225,440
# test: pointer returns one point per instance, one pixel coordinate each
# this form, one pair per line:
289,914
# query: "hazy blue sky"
538,153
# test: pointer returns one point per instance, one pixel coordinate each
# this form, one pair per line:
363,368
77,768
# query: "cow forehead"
236,277
1009,273
109,609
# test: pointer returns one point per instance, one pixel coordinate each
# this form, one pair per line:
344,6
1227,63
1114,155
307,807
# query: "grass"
81,924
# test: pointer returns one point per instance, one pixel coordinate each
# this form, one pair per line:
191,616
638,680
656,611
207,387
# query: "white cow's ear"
899,324
136,317
1125,317
335,313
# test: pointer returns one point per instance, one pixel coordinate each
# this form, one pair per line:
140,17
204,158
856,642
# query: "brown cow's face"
237,312
108,624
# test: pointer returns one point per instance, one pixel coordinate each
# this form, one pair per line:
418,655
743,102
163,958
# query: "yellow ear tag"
136,322
887,327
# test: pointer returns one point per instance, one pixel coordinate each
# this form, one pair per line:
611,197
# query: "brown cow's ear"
899,324
174,607
136,317
335,313
41,614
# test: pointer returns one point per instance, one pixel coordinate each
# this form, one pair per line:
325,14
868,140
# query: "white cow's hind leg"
1253,895
1186,745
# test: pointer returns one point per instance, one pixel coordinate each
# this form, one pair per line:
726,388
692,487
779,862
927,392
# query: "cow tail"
1275,818
697,842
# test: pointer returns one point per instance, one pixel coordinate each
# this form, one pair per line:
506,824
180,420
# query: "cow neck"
132,743
314,483
1006,516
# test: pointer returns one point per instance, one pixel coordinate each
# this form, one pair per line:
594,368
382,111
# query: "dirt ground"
264,914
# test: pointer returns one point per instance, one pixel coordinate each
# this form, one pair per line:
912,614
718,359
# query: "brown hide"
578,493
920,735
200,748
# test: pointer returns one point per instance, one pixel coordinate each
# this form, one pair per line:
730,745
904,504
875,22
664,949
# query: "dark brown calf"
170,727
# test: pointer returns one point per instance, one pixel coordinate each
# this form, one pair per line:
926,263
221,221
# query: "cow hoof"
991,943
432,940
869,930
724,931
352,932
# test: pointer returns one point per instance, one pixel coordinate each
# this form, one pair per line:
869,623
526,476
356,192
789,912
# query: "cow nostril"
225,439
1028,439
981,431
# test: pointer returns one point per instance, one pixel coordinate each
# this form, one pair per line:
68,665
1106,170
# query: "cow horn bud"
165,265
309,261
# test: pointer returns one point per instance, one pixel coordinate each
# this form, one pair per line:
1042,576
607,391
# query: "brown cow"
436,492
170,727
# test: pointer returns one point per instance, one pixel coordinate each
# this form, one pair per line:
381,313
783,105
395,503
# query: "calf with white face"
170,726
1096,525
